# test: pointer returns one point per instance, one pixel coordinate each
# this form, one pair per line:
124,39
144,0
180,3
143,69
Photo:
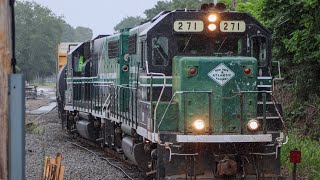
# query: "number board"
188,26
232,26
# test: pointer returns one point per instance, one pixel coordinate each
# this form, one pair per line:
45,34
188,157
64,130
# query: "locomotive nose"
207,90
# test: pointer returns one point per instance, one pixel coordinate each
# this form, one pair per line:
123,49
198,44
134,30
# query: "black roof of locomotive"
166,19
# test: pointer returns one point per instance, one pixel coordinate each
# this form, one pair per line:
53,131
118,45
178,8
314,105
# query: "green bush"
310,152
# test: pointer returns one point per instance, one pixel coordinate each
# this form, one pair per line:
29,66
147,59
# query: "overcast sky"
99,15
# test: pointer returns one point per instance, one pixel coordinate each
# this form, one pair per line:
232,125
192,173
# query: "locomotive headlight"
198,124
253,125
212,27
212,18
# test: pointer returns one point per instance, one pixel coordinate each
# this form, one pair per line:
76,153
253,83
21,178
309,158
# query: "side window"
259,49
75,63
132,44
142,62
78,61
160,51
113,49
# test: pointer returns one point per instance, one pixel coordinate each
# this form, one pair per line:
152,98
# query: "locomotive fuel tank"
87,129
135,152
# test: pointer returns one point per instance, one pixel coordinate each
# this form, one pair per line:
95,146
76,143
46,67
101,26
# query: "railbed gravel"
47,139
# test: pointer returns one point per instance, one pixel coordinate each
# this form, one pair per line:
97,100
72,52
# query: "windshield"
204,46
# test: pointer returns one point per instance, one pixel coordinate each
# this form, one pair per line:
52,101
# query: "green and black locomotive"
188,94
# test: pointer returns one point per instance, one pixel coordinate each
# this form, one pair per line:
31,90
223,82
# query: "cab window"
192,45
259,49
160,51
78,62
201,45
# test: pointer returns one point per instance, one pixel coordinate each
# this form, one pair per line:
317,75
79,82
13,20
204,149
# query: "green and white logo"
221,74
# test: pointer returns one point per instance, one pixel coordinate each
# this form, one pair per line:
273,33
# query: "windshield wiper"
185,47
160,53
222,44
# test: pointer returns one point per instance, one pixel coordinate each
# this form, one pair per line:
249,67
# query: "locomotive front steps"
273,120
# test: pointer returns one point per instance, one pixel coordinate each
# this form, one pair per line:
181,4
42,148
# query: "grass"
34,128
310,155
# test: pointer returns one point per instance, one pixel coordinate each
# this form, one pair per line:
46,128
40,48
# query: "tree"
254,7
78,34
296,32
68,33
160,6
129,22
172,5
296,42
83,34
38,33
189,4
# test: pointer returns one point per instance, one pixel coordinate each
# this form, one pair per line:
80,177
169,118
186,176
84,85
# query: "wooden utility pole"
5,70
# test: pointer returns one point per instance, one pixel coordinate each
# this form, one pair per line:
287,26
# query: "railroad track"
112,157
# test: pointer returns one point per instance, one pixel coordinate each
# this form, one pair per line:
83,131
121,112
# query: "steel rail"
110,163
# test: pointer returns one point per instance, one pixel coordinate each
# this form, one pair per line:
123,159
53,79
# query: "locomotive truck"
186,95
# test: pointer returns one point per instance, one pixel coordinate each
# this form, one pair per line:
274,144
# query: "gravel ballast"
45,137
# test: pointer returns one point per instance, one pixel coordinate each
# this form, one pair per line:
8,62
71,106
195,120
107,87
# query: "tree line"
38,33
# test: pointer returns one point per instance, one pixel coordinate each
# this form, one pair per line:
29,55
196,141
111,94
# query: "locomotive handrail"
90,80
276,108
182,92
237,94
281,118
159,99
240,92
264,107
165,112
279,69
80,78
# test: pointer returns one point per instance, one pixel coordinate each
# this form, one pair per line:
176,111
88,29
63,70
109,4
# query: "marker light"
212,18
212,27
125,68
247,70
253,125
192,71
199,124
